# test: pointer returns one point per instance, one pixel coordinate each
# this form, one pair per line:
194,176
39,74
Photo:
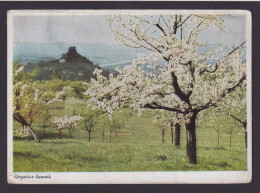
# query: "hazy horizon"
93,29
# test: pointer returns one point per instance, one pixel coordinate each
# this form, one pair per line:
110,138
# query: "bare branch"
184,20
161,29
195,29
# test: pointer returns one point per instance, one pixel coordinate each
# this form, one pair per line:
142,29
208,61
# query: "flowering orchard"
174,75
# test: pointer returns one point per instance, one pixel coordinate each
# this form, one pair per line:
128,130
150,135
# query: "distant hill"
105,55
48,57
70,66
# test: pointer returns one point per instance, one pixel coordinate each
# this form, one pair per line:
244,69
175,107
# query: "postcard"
129,96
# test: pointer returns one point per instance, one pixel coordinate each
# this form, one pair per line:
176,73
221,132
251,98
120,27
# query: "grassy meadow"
137,146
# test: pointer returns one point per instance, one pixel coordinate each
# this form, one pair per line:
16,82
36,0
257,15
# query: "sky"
94,29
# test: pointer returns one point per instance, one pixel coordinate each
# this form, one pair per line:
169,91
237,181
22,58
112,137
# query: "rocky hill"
71,66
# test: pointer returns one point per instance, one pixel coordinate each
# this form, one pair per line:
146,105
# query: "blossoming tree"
64,93
90,120
234,106
175,75
72,103
66,123
27,99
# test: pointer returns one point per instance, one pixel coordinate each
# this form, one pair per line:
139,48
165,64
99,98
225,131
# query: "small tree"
164,120
113,125
64,93
66,123
90,119
45,116
73,102
213,122
49,97
163,128
229,124
101,129
229,132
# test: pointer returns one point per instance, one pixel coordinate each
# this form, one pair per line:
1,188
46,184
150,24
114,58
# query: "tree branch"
20,119
177,89
184,20
155,105
195,29
244,123
218,62
228,90
225,91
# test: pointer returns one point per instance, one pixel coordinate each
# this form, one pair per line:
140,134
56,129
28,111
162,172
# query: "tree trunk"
60,133
191,138
181,28
36,138
218,138
74,111
245,131
230,137
103,135
162,136
89,131
70,133
44,128
177,140
172,131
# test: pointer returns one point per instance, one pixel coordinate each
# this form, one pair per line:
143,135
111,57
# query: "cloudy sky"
94,29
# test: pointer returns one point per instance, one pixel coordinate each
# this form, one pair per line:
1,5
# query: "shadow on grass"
29,155
26,154
53,136
213,148
43,136
219,148
85,158
18,138
221,164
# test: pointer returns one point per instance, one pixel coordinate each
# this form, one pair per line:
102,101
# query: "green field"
136,147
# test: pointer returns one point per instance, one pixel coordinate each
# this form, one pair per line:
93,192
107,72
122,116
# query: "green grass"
137,147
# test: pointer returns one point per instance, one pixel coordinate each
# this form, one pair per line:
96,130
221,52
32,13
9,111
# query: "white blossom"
66,122
19,70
